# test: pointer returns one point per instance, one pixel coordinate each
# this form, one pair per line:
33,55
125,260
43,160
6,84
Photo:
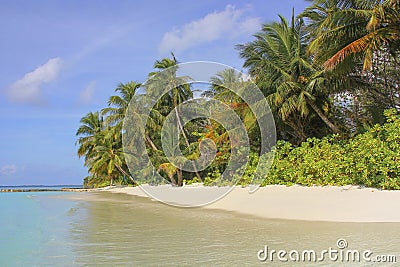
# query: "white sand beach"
330,203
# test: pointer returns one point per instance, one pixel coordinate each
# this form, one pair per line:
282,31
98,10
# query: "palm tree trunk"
153,146
324,118
126,174
186,141
179,178
173,181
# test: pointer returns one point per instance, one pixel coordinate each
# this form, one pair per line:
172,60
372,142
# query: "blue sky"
60,60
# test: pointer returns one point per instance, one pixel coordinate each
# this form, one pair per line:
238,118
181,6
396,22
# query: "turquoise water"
104,229
35,229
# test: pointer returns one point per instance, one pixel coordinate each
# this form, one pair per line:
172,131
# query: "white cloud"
87,93
228,23
8,169
27,90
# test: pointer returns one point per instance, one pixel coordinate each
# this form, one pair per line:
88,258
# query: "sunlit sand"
337,204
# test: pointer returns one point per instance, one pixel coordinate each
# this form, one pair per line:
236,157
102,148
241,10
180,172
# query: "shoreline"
17,190
316,203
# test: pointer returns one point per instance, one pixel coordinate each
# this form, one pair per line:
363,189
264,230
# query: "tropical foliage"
328,74
370,159
293,85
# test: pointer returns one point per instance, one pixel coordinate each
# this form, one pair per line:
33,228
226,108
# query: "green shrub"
370,159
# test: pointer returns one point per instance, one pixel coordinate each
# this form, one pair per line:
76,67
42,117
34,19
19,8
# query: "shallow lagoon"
105,229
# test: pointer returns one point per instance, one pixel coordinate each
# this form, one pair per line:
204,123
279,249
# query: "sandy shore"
336,204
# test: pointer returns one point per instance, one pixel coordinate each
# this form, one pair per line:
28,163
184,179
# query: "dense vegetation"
328,75
369,159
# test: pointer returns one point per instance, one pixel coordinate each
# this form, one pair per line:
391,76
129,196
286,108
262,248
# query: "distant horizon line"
41,185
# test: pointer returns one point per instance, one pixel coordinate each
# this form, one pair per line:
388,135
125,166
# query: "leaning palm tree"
278,61
343,30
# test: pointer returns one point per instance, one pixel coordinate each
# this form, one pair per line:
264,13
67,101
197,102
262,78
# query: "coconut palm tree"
344,30
278,61
224,84
118,105
108,155
228,86
92,125
179,90
91,134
